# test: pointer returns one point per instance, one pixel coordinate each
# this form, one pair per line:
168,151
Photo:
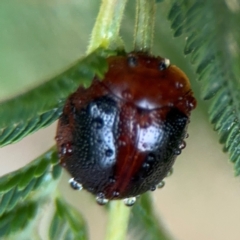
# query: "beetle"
120,137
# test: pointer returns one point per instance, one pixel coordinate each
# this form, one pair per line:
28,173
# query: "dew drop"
90,189
151,157
127,95
182,145
58,138
177,151
75,185
191,106
153,188
170,104
164,64
161,184
178,85
146,165
112,180
63,164
129,201
115,194
101,200
170,172
66,149
180,98
132,61
122,143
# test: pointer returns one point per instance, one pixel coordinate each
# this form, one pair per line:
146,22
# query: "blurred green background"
40,38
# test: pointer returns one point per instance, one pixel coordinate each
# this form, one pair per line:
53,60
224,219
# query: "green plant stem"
106,29
117,221
144,26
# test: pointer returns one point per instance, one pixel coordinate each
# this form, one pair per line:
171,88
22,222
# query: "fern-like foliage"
42,105
18,219
23,191
143,223
67,223
212,36
16,187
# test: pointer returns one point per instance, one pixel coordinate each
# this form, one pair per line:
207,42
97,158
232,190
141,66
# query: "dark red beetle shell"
120,137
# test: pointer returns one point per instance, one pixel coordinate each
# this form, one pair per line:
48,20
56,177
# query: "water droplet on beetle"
170,104
66,149
164,64
75,185
191,105
178,85
161,184
182,145
146,165
129,201
63,164
122,143
153,188
112,180
100,199
132,61
90,189
58,138
151,157
177,151
170,172
115,194
127,95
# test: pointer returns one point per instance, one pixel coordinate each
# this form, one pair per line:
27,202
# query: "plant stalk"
144,25
106,29
118,219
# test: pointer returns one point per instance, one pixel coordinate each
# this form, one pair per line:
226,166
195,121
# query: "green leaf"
43,105
143,223
67,223
214,46
18,219
24,183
